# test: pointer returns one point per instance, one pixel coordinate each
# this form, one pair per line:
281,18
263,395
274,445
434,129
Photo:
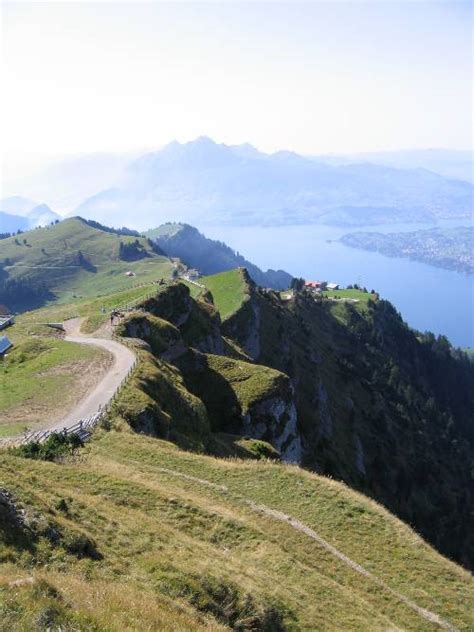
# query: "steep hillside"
74,259
210,256
229,291
136,534
385,409
131,532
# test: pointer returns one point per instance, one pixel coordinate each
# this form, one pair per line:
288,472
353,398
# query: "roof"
313,283
5,344
6,320
333,285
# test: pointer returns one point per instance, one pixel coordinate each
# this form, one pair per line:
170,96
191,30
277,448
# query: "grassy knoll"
249,382
228,289
43,376
356,295
356,298
148,537
73,260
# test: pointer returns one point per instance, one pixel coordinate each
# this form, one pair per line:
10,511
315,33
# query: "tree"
297,284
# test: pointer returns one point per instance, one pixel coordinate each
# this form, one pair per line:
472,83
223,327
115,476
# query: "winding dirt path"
124,359
301,527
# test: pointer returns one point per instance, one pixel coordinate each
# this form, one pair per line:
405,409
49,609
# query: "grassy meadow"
73,260
178,541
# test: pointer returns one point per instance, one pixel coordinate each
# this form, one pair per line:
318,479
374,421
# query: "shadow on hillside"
222,405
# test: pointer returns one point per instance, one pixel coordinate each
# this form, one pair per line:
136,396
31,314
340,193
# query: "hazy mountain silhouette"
19,213
203,182
458,164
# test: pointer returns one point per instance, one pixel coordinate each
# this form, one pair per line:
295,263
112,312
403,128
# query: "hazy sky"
313,77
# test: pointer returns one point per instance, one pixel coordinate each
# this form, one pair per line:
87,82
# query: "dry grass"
183,549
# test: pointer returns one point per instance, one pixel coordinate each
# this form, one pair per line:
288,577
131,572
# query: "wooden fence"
82,428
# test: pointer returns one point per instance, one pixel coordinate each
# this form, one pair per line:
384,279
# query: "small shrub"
56,446
48,617
62,505
79,545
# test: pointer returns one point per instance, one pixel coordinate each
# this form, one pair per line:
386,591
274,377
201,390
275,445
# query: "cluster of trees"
297,284
85,263
21,294
7,235
423,397
117,231
132,251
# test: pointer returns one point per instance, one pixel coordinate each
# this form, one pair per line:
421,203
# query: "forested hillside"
210,256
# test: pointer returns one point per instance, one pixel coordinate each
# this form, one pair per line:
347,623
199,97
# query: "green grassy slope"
72,260
229,290
139,535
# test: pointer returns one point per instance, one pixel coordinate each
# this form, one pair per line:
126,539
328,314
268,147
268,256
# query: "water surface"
429,298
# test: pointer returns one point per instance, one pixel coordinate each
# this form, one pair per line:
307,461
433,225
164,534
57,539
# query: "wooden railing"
84,427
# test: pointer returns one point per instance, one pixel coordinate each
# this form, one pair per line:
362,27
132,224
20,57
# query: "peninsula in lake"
449,248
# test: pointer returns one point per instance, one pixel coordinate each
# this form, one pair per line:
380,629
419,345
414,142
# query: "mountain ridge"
210,256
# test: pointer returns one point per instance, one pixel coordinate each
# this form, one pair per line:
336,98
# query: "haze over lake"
429,298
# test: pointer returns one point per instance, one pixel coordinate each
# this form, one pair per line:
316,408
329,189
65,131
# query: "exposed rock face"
359,462
12,516
198,321
275,421
161,336
326,426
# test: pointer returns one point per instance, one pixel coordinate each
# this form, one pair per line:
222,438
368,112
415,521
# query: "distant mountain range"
20,213
210,256
205,183
457,164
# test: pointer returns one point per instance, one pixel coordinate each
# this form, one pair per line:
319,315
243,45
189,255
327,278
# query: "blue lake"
429,298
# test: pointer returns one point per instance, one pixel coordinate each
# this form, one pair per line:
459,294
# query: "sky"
313,77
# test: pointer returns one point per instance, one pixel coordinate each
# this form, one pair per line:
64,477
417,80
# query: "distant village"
320,286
